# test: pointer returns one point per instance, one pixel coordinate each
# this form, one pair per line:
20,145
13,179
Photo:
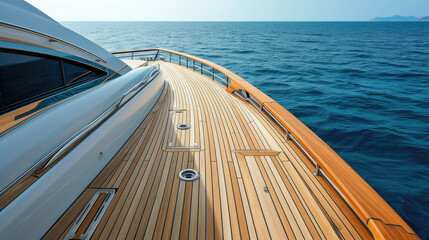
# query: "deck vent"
183,126
189,175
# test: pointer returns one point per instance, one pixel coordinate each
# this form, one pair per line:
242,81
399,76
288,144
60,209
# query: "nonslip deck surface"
253,183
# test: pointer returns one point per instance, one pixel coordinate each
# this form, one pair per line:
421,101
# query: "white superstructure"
66,107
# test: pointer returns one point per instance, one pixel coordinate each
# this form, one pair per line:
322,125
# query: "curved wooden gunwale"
381,219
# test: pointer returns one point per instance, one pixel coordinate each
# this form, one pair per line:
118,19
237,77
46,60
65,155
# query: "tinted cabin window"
27,78
24,76
74,74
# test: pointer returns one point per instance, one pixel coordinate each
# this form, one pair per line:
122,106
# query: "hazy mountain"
424,18
395,18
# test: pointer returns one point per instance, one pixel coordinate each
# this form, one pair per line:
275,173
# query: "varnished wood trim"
383,231
8,120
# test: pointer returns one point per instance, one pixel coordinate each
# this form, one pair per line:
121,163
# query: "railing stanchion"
227,81
156,55
194,64
187,62
201,67
170,57
132,55
179,60
213,73
317,171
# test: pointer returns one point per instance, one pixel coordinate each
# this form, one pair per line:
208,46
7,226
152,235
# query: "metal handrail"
153,73
181,60
98,121
140,55
55,155
71,142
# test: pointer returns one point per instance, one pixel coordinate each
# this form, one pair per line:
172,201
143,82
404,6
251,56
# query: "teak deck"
253,182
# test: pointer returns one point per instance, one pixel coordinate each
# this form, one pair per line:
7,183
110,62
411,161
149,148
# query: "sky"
229,10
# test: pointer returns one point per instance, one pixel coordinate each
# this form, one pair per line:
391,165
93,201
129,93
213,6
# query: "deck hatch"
183,129
91,215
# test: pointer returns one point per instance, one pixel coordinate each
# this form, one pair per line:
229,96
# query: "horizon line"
232,21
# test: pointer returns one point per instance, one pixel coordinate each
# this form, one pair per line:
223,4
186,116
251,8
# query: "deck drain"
189,175
183,126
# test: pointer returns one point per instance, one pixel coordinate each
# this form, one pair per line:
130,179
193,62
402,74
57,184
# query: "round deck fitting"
183,126
189,175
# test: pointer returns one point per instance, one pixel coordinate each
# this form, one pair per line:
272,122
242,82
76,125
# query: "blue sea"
363,87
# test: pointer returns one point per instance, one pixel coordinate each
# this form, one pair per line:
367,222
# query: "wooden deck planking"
322,189
228,201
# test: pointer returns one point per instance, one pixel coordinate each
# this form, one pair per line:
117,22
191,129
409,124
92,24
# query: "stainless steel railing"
189,63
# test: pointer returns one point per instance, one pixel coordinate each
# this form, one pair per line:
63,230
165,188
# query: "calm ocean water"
362,87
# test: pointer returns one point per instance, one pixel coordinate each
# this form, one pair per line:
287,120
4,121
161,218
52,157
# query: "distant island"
398,18
423,19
